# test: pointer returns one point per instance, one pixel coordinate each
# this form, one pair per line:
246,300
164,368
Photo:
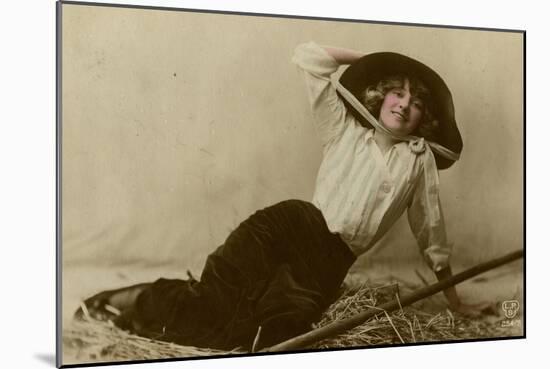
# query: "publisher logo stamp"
510,308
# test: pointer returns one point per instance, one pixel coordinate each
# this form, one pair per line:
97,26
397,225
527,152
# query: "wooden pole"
341,326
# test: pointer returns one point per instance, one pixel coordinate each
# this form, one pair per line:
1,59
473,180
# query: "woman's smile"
400,116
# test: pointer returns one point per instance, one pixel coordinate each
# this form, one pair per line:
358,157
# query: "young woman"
283,266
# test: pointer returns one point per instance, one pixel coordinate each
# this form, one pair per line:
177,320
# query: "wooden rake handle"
341,326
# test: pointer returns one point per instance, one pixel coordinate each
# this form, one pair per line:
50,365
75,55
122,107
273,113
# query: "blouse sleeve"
428,225
328,109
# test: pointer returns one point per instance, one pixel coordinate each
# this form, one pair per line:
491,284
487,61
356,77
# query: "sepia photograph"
234,184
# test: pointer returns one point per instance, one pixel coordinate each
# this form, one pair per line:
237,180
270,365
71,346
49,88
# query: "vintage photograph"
232,184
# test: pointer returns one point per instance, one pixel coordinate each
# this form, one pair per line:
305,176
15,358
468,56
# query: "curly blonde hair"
374,96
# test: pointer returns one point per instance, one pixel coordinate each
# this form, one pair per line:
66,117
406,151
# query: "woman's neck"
383,141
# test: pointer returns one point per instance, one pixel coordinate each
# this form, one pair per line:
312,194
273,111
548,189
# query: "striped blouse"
360,191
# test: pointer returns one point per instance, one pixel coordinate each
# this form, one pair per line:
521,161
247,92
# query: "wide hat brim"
372,68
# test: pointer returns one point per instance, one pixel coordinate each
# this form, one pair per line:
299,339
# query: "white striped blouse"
360,191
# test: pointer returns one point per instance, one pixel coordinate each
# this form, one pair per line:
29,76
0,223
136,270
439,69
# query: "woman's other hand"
475,310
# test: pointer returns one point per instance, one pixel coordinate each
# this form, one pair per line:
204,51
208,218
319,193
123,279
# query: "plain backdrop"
178,125
28,187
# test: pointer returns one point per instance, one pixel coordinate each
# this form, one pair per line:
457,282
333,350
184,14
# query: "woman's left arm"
428,225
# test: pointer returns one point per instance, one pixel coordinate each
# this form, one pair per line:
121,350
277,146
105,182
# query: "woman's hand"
455,304
343,56
475,310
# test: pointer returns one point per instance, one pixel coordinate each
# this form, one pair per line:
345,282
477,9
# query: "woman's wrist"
450,293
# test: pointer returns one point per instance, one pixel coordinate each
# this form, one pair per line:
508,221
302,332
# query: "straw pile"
92,340
428,320
424,321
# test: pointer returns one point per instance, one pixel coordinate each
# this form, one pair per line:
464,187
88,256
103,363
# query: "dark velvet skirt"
279,269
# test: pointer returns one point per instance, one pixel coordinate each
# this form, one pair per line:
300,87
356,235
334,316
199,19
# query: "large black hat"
372,68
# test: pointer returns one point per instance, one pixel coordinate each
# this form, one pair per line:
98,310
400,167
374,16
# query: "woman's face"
401,112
